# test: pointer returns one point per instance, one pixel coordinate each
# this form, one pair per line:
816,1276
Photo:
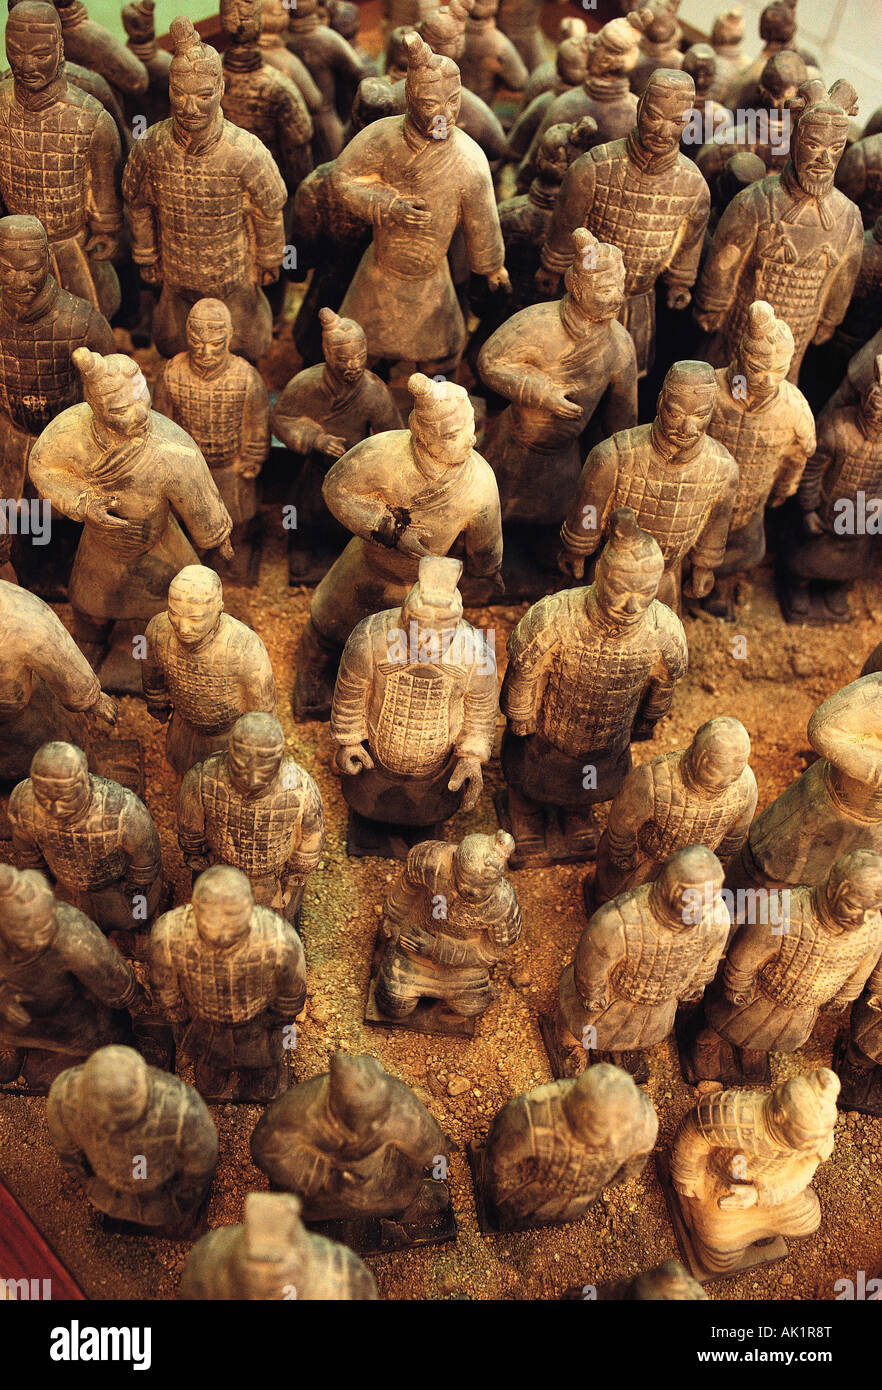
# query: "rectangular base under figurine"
564,1066
194,1227
429,1016
555,849
377,1235
378,839
764,1252
489,1221
732,1072
813,609
860,1090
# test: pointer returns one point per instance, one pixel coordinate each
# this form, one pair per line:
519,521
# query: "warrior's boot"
317,662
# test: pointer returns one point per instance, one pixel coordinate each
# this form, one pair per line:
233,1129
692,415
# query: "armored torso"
37,378
682,815
254,834
44,168
814,962
210,409
86,853
230,986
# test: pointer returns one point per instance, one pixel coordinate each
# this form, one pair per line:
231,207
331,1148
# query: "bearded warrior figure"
63,987
271,1254
742,1165
331,63
354,1142
202,669
701,795
415,705
642,195
791,239
556,363
60,158
205,202
114,1110
551,1151
256,809
96,839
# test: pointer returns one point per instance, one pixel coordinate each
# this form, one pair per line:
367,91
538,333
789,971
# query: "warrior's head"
853,891
396,52
275,17
629,570
272,1244
559,146
870,407
442,421
781,79
686,890
661,25
571,61
684,408
115,1087
479,862
603,1104
777,26
24,264
663,111
358,1093
27,911
255,752
60,780
595,280
484,9
700,62
821,135
801,1112
222,906
668,1282
434,603
195,79
444,29
728,29
195,604
209,334
738,172
764,352
116,390
374,100
306,10
138,21
344,347
718,754
615,48
34,46
241,19
432,90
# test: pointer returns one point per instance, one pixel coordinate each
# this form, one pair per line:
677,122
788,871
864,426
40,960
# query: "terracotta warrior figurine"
833,807
60,158
859,1060
272,1257
260,98
839,498
742,1164
205,202
253,807
859,176
330,60
766,130
354,1142
490,62
450,917
276,18
519,21
230,975
524,137
547,77
414,710
727,39
701,795
405,494
864,312
90,43
659,43
767,425
141,1143
777,29
96,839
669,1282
551,1151
589,670
416,178
127,473
644,196
681,483
44,680
202,669
707,116
138,22
791,239
222,403
63,987
557,363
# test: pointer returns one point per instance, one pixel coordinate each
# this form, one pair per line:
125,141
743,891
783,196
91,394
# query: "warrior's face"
600,296
253,765
241,19
661,119
194,616
433,101
27,932
764,368
124,409
221,921
208,344
624,592
454,439
347,361
853,902
818,146
63,798
24,267
683,416
716,766
195,96
702,72
35,52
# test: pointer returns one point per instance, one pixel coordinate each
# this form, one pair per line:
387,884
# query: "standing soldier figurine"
405,494
416,178
490,63
60,158
701,795
231,976
589,670
205,202
644,196
680,482
551,1151
63,987
331,62
450,917
90,43
857,1058
520,20
256,809
202,669
643,954
138,22
414,713
96,838
127,473
741,1169
791,239
141,1143
222,403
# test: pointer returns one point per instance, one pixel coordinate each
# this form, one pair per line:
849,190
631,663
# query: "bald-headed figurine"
551,1151
140,1143
272,1257
202,669
680,482
95,837
64,988
354,1142
222,403
701,795
255,808
642,195
231,976
128,474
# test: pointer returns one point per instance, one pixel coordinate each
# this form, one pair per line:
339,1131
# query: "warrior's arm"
809,493
384,413
842,730
354,493
838,292
408,894
99,966
161,397
163,972
26,850
140,843
153,681
69,491
194,496
512,70
483,535
138,194
104,209
197,1148
689,1156
735,835
710,547
265,198
295,128
358,184
290,980
309,838
343,58
853,986
70,1153
570,211
801,447
620,409
707,967
531,649
55,657
682,268
521,135
726,260
291,421
601,947
513,367
671,665
480,219
632,807
505,926
191,820
582,531
349,725
257,682
99,334
874,983
753,946
255,425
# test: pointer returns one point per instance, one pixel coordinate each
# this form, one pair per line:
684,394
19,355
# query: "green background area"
107,12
